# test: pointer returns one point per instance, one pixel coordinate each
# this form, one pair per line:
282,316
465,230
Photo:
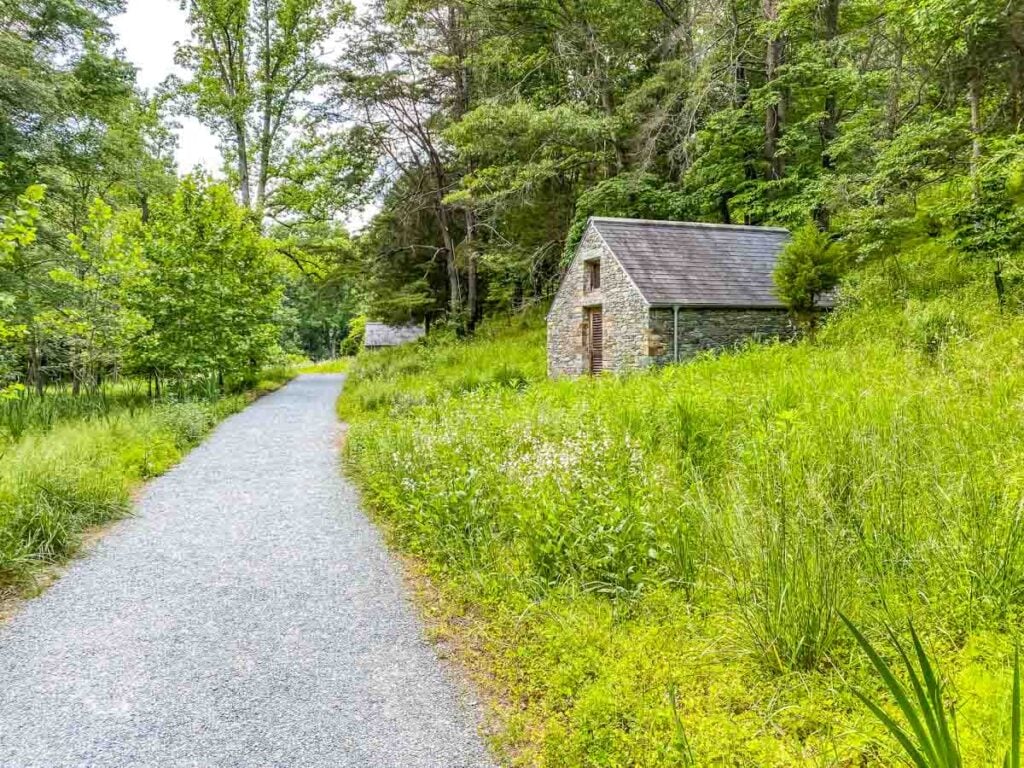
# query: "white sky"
147,32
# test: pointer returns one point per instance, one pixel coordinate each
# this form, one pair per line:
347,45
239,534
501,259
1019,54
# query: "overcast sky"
147,33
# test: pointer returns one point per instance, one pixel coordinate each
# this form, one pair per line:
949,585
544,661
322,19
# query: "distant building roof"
697,265
382,335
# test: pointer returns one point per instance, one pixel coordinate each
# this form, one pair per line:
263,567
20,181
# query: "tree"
384,83
212,289
254,64
988,222
17,233
97,317
51,51
810,266
323,287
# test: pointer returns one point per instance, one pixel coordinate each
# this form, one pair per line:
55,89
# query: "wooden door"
595,345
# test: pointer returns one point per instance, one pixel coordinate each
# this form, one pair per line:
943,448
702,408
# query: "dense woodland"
480,134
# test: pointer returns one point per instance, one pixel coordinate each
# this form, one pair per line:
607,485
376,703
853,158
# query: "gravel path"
248,616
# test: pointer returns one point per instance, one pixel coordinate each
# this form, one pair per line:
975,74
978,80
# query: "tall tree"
254,64
212,286
386,83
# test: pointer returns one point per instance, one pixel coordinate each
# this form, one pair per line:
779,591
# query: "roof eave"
663,304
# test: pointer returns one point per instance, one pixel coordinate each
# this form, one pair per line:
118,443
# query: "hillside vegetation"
606,547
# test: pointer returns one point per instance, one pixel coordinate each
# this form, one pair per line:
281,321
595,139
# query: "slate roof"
382,335
697,265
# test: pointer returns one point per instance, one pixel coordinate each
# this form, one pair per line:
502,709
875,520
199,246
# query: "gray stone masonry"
624,309
635,334
702,329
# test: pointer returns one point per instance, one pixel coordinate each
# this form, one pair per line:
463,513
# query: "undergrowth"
683,541
338,365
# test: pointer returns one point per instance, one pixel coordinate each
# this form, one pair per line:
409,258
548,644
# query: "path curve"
248,616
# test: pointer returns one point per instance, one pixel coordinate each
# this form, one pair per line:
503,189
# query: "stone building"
379,335
640,293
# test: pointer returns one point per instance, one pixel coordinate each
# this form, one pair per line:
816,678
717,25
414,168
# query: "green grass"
506,353
23,412
621,551
68,464
340,365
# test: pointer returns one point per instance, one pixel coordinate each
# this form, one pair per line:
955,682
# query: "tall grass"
740,502
27,411
339,365
925,725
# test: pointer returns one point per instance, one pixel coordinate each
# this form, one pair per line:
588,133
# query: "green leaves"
253,65
1012,759
213,285
926,738
18,226
519,147
809,267
927,735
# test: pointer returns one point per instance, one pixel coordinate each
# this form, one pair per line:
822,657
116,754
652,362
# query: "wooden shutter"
596,341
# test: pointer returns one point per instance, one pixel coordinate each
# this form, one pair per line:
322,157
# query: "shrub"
810,266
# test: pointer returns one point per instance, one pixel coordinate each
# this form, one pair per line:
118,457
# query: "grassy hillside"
611,551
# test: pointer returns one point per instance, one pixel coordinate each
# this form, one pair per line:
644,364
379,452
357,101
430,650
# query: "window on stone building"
592,279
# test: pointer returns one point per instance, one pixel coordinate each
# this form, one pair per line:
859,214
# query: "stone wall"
701,329
625,315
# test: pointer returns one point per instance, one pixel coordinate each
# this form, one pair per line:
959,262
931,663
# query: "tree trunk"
974,97
741,84
1017,69
829,122
472,294
444,222
892,116
264,137
35,367
723,207
774,113
606,95
828,127
242,146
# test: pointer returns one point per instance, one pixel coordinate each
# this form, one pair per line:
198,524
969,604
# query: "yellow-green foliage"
700,526
507,353
69,462
340,365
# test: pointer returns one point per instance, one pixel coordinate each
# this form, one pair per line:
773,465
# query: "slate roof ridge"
686,224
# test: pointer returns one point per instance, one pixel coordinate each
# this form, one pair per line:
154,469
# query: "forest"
476,138
666,568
